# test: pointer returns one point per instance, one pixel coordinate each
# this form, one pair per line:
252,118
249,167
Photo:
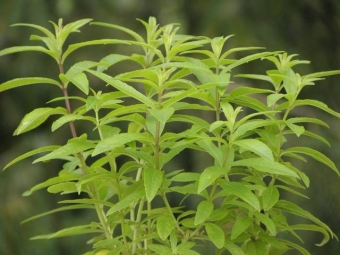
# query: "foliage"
121,168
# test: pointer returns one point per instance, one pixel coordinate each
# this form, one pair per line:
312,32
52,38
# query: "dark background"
310,28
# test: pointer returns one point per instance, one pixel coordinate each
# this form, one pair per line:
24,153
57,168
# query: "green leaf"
240,226
247,59
64,188
233,248
248,126
71,28
212,149
209,175
76,46
152,182
31,153
257,147
216,234
117,140
241,191
72,147
52,181
257,247
40,28
80,81
136,36
123,87
186,177
110,60
16,49
64,208
314,154
26,81
295,246
68,118
268,222
270,196
314,103
298,130
165,226
310,227
266,166
138,193
295,209
36,117
204,209
273,98
162,115
72,231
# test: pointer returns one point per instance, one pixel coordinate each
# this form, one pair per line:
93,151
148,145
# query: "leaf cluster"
174,80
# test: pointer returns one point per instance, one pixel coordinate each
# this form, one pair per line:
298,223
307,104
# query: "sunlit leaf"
314,154
257,147
31,153
152,182
240,226
241,191
165,225
26,81
36,117
266,166
204,209
72,147
216,234
117,140
209,175
269,197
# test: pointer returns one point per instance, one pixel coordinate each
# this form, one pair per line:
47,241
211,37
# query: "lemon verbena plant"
175,100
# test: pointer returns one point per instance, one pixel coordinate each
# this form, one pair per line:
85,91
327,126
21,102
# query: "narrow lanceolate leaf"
295,209
119,140
216,234
36,117
63,188
52,181
68,118
31,153
72,231
314,154
16,49
240,226
64,208
266,166
165,225
152,181
76,46
270,196
241,191
72,147
314,103
310,227
133,197
123,87
257,147
204,209
26,81
209,175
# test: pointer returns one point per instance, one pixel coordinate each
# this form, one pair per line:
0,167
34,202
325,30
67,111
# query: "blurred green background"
310,28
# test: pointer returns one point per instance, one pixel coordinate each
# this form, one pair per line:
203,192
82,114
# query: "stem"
99,208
